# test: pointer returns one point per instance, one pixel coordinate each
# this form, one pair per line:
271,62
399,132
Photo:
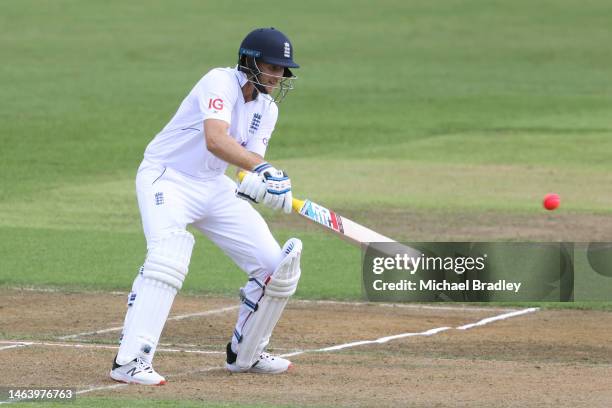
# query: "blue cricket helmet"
271,46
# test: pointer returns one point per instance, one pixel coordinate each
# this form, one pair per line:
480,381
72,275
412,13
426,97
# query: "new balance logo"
159,198
289,248
287,50
133,371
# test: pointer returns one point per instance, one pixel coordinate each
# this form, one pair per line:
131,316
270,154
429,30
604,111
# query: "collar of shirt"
241,76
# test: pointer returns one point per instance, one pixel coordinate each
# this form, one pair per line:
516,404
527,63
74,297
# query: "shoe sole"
162,382
252,371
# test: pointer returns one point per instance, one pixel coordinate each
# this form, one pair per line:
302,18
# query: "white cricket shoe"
137,371
265,364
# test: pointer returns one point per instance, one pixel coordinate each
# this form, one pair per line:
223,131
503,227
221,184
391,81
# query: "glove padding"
252,187
278,187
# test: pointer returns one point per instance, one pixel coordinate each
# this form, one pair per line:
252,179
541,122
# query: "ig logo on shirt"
216,104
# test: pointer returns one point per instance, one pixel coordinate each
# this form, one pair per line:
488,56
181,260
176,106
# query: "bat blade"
343,227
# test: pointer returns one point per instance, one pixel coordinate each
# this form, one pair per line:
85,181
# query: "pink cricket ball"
551,201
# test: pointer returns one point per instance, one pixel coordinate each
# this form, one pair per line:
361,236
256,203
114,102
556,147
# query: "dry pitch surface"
538,358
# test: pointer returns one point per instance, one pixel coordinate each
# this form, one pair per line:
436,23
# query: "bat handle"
297,204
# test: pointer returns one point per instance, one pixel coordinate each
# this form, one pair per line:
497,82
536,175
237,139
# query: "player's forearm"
219,143
230,151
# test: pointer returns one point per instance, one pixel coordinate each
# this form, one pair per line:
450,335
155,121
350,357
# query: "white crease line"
498,317
97,388
429,332
21,344
180,317
100,346
74,336
191,351
380,340
184,345
64,291
206,313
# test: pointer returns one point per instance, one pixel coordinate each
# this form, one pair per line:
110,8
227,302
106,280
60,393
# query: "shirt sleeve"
259,142
216,96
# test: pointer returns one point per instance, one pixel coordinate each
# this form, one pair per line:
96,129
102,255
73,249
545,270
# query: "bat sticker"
322,216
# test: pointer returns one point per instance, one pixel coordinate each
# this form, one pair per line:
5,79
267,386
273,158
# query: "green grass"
448,106
96,260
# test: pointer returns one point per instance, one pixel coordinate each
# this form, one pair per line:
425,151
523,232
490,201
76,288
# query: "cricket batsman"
227,118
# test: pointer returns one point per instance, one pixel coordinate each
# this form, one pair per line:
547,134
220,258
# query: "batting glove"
278,187
252,187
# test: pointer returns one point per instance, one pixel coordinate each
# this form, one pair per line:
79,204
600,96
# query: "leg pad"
279,287
168,260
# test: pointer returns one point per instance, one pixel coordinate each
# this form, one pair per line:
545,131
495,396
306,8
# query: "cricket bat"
346,229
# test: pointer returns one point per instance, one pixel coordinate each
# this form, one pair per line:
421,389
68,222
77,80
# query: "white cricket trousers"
170,200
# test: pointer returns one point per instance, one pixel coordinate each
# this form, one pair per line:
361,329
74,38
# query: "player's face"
271,75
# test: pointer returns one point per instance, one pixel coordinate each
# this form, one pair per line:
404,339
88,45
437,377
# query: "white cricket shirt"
218,95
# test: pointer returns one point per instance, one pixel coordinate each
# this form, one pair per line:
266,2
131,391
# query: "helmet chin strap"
258,86
254,73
